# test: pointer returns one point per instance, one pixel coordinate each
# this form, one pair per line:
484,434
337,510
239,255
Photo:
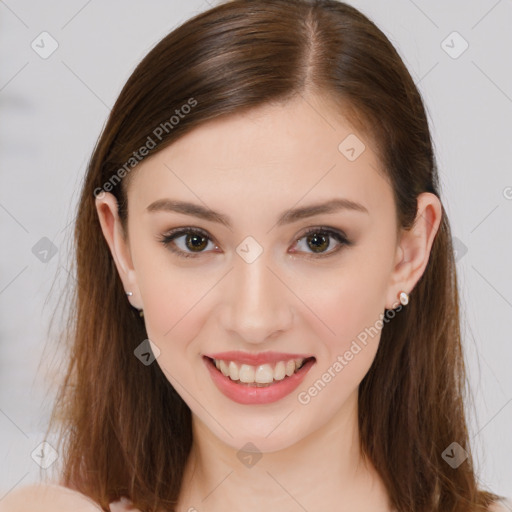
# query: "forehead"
301,151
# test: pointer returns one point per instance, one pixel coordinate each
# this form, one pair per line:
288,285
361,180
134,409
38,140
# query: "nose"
257,302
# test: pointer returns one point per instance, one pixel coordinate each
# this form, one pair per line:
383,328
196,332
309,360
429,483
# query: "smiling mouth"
263,375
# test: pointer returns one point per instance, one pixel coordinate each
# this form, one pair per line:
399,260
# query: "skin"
45,497
251,167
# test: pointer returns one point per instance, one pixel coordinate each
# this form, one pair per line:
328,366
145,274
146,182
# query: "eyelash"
169,237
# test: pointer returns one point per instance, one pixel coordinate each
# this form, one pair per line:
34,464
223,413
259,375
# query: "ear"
117,240
414,247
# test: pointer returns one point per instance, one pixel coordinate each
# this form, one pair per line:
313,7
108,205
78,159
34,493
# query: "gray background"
52,111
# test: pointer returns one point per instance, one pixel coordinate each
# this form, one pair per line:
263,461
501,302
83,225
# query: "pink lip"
250,395
256,359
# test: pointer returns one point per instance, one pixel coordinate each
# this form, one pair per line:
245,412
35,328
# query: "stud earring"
141,312
404,298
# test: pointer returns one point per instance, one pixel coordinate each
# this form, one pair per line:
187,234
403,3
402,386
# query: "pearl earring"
141,312
404,298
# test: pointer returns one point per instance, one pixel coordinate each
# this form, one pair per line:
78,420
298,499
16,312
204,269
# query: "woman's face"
250,279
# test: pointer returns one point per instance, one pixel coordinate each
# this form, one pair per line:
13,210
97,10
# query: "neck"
324,471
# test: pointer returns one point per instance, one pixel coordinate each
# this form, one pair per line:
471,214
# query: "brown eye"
194,241
318,240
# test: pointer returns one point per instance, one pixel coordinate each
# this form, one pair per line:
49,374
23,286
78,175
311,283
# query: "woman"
266,312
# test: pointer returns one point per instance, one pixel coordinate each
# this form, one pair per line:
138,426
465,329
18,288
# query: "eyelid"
168,238
323,229
339,235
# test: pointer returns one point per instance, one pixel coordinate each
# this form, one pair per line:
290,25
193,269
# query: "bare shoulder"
45,498
501,506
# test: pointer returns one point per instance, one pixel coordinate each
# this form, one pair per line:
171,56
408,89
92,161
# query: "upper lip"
256,359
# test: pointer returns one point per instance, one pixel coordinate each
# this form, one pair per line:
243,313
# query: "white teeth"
246,373
234,373
262,374
280,371
290,367
224,368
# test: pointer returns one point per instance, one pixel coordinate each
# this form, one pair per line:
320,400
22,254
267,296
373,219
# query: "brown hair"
126,430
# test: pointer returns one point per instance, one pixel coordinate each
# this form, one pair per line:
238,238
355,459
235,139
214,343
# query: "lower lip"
246,394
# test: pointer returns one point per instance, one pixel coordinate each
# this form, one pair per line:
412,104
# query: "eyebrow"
287,217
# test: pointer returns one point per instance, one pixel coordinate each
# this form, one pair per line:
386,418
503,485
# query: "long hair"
124,429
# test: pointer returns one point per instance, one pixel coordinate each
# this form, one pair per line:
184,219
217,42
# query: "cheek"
350,303
347,302
354,314
172,296
171,314
172,305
